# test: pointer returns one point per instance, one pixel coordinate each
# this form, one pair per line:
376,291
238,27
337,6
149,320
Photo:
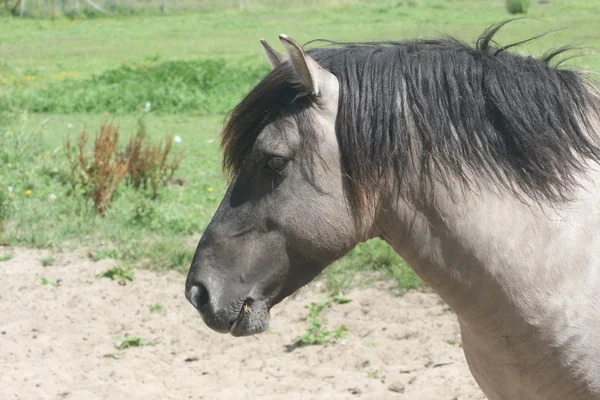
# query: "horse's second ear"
315,79
273,56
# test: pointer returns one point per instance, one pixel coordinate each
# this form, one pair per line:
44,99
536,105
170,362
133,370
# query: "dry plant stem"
99,178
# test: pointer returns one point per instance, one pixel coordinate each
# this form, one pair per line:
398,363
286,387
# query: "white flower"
177,139
148,106
52,197
10,189
70,125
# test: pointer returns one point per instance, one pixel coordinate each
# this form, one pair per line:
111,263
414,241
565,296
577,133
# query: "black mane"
433,109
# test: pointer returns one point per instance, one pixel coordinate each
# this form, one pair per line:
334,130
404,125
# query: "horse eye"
276,163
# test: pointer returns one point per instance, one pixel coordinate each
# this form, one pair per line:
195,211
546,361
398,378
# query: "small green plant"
340,298
49,282
451,342
155,307
126,342
97,177
117,273
373,374
517,6
114,356
48,261
6,256
317,332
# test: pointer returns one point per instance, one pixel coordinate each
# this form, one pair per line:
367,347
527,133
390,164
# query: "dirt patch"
54,342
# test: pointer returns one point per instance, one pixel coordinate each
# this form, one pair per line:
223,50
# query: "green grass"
46,49
373,256
117,273
153,233
114,356
58,77
317,331
130,341
49,282
207,86
48,261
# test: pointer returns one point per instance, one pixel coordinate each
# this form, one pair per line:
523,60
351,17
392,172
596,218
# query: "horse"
478,165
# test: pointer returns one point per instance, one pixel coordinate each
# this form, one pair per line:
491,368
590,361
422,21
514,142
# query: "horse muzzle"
241,316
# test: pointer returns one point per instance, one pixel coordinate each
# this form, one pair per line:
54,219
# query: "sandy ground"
53,342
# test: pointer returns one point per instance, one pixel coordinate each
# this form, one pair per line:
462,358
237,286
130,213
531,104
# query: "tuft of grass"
340,298
50,282
155,307
517,6
117,273
373,374
114,356
317,331
126,342
6,257
48,261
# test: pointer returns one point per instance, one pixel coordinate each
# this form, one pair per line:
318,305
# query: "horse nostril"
198,296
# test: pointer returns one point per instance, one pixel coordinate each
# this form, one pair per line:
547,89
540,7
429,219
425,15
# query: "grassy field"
58,77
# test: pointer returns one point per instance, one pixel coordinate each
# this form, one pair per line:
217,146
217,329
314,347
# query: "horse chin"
253,319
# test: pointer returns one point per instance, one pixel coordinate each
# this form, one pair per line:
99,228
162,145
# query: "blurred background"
110,116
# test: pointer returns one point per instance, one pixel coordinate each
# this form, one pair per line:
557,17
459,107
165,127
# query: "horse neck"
485,252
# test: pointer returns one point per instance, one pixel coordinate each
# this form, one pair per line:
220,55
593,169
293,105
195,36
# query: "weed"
98,178
155,307
117,273
340,298
373,374
317,332
50,282
517,6
149,166
48,261
114,356
6,257
126,342
451,342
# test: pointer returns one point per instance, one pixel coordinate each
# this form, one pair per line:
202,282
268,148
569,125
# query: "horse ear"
312,76
273,56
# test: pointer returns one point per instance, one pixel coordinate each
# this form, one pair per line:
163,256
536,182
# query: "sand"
54,342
